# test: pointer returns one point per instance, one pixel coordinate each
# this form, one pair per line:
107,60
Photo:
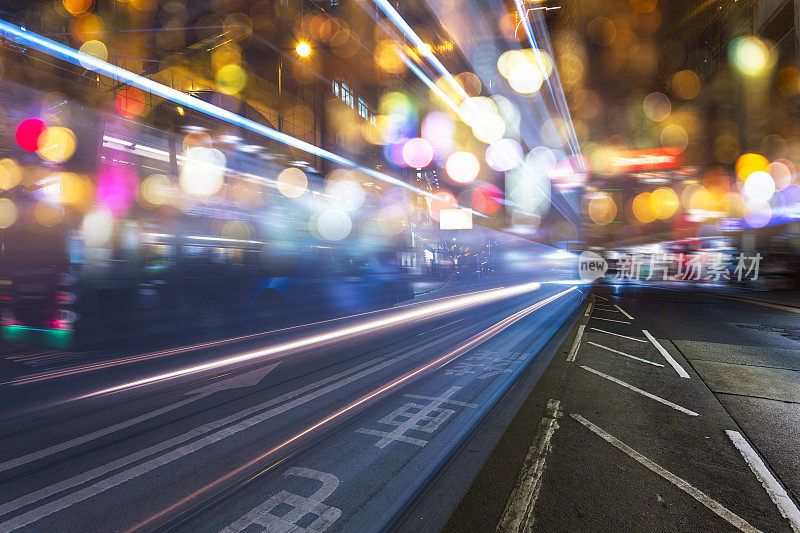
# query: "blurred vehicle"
145,232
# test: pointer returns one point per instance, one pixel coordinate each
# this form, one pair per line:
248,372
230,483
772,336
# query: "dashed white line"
626,354
716,507
574,351
774,489
642,392
621,310
611,320
618,335
588,309
673,363
518,514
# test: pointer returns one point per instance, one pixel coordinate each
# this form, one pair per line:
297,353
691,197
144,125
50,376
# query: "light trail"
14,33
420,371
427,81
394,319
422,47
138,358
558,99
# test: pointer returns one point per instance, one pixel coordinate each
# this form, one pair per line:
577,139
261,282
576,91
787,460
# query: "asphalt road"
333,426
664,410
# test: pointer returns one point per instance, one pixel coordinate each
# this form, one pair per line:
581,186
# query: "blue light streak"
14,33
406,30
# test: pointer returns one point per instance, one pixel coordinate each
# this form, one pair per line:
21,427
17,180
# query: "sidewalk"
783,298
622,434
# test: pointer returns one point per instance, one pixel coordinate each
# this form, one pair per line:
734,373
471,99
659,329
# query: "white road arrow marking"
245,379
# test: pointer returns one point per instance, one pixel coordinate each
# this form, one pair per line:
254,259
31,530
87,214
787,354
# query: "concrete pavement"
665,415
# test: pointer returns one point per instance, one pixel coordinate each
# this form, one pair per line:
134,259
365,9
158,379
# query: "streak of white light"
423,311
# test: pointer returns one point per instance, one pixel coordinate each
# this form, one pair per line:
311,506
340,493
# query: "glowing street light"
303,49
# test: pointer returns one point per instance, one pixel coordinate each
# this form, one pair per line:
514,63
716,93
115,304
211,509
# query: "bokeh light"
602,209
758,188
334,224
751,56
503,155
10,174
292,182
487,198
231,79
748,163
8,212
203,172
93,48
417,153
158,189
462,167
657,106
130,102
28,134
56,144
685,84
664,202
641,208
97,228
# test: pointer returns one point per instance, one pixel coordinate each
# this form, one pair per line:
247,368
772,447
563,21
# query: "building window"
347,96
362,109
336,88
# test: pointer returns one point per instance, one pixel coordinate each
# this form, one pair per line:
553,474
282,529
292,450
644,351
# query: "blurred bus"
130,231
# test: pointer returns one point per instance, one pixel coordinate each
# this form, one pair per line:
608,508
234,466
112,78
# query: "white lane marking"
642,392
774,489
299,507
605,309
241,417
576,344
618,335
425,418
518,514
716,507
611,320
246,379
626,354
588,309
601,297
56,505
673,363
621,310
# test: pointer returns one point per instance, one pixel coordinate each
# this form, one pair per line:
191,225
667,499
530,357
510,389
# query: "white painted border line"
626,354
611,320
518,514
618,335
605,309
588,309
718,509
774,489
601,297
574,350
621,310
673,363
642,392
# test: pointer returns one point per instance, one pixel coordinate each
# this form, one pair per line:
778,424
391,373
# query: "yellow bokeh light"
48,215
602,209
56,144
10,174
158,189
8,212
686,84
749,163
95,49
231,79
77,7
292,182
664,202
641,208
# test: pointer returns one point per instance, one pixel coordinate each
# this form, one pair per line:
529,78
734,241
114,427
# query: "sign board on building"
651,158
455,219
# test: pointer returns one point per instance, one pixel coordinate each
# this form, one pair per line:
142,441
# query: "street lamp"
303,49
